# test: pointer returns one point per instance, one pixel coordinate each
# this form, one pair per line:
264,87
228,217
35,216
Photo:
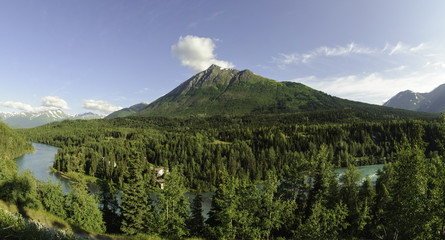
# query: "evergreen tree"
247,219
138,212
51,196
366,196
82,210
197,220
408,209
349,195
223,211
173,207
272,207
380,218
110,206
323,223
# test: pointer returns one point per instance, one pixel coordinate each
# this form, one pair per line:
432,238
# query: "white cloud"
324,51
48,103
54,102
99,105
17,105
420,47
376,87
394,68
197,53
399,47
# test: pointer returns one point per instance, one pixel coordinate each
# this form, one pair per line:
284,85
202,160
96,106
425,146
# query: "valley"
244,157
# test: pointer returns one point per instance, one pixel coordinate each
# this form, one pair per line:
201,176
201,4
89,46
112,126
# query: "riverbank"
75,178
28,223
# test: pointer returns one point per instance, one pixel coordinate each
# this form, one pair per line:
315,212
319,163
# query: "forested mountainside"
12,145
217,91
125,112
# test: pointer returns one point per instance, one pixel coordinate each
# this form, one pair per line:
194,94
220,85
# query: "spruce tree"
223,211
138,213
110,206
173,207
196,223
271,207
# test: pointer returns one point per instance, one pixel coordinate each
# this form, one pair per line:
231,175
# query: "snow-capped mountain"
433,102
34,119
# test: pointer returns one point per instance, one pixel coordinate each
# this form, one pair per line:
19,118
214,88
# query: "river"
40,162
42,159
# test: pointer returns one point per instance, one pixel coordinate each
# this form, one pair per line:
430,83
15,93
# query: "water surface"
40,162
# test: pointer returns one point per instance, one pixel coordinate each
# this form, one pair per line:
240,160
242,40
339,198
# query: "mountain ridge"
432,102
229,91
127,111
217,91
35,119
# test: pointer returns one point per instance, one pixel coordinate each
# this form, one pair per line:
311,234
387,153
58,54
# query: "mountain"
432,102
228,91
87,116
127,111
408,100
34,119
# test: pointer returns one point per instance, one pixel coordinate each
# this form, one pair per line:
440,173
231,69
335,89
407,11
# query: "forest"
273,177
240,146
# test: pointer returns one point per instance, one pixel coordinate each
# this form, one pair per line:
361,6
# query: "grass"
44,225
220,142
14,226
74,177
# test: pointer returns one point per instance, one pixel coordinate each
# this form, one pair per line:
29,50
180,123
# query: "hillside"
217,91
127,111
432,102
12,145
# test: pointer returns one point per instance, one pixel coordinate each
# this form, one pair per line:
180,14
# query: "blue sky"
100,55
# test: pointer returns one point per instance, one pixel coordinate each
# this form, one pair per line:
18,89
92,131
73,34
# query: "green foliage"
196,223
138,212
408,209
110,207
8,170
249,145
21,190
173,207
323,222
12,145
217,91
241,211
300,197
15,227
222,214
82,210
51,196
271,208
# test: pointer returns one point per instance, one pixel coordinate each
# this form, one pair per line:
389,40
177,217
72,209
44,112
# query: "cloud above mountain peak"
54,102
197,53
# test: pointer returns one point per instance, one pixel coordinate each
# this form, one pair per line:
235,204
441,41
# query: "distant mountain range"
218,91
432,102
34,119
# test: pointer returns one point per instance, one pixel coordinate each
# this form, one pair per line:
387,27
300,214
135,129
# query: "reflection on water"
369,170
39,163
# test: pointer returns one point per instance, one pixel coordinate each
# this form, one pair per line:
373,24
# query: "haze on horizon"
103,55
